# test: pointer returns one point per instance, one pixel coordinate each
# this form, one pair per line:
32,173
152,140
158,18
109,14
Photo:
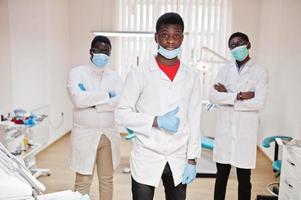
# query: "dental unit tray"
17,183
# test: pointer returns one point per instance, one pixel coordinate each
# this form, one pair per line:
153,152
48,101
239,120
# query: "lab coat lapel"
244,74
154,68
246,68
180,73
163,75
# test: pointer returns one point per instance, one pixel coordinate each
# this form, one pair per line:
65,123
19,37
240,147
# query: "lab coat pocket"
247,124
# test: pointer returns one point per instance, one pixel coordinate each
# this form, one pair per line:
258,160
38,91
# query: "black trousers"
244,182
146,192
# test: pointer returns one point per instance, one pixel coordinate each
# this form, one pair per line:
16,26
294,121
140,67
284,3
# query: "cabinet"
290,179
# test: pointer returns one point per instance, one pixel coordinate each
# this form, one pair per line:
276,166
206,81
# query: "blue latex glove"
169,121
31,121
112,94
131,134
81,87
189,173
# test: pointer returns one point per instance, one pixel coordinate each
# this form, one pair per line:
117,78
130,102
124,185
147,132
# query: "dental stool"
273,188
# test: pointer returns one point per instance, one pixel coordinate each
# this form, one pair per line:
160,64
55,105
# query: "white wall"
245,17
279,50
5,68
58,60
86,16
28,51
38,32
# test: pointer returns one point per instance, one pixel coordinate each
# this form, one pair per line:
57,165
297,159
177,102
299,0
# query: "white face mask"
169,54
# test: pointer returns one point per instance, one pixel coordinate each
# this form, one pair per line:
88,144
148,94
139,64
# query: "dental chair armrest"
268,140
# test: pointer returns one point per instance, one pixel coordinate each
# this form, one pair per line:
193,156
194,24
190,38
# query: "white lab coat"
237,123
89,122
147,93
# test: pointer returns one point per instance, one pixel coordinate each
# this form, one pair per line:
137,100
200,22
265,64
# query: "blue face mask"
100,59
169,54
240,53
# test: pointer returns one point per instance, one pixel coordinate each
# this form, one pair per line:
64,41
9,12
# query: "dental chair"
206,167
273,188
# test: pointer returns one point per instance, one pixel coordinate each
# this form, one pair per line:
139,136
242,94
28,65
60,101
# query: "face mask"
100,59
240,53
169,54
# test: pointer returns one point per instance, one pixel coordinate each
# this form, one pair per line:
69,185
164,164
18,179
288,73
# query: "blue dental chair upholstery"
276,165
207,143
205,165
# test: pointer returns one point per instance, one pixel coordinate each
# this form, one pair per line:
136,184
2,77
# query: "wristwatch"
192,161
239,96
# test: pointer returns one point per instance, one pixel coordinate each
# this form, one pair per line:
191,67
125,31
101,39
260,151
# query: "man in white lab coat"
161,102
94,91
240,91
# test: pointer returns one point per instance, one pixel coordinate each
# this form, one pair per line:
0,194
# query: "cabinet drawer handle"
289,185
290,162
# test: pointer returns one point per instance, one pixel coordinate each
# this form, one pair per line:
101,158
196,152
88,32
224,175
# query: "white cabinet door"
290,180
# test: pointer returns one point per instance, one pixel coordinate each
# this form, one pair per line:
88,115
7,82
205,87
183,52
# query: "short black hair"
100,38
238,34
169,18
